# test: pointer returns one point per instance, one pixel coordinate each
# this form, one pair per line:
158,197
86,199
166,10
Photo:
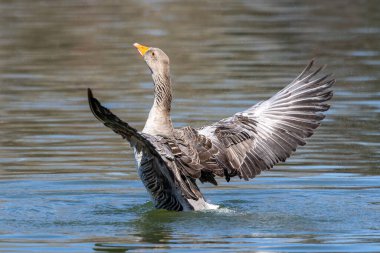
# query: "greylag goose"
169,160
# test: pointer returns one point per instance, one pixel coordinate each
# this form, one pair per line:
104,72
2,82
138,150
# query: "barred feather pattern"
157,185
162,91
267,133
153,158
170,160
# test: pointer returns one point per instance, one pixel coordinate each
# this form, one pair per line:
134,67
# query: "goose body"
169,161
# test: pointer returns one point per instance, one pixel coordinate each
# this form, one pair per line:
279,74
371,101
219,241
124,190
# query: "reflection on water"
68,184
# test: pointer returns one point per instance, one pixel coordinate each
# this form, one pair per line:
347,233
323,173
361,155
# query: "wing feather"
268,132
172,162
242,145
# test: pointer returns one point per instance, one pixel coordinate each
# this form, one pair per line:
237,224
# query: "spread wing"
267,133
120,127
160,165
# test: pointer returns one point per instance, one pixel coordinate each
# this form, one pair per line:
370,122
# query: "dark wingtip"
94,105
332,81
89,93
90,99
305,70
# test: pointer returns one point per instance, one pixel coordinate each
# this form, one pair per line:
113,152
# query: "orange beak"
142,49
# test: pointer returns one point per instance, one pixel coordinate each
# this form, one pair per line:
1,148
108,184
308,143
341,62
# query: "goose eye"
153,54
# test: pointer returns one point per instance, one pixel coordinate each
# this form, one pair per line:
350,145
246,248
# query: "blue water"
68,184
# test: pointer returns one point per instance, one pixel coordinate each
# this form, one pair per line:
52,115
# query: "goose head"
155,58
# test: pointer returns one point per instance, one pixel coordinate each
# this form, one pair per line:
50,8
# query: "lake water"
68,184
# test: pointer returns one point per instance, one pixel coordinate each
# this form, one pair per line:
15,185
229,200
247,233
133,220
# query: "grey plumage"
267,133
171,160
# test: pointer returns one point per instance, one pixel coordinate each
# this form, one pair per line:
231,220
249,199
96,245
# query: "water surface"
68,184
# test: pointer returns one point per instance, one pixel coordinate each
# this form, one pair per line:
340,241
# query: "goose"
170,161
